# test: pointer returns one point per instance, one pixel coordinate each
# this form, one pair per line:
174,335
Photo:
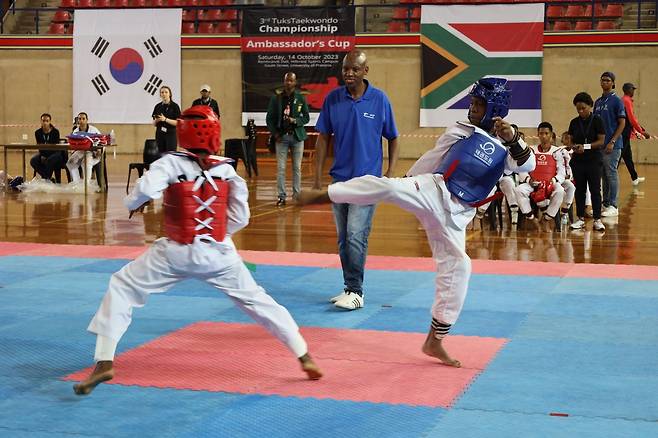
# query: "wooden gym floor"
101,219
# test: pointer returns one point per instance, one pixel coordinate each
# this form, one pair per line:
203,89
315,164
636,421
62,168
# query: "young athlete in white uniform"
442,189
205,202
548,174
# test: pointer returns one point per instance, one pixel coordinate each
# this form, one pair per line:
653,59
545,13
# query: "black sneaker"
281,201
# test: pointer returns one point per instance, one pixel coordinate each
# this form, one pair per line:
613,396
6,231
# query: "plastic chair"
230,14
400,13
173,3
414,27
614,11
574,11
69,4
225,27
598,10
206,27
149,155
120,3
56,29
187,27
102,3
562,25
189,14
212,15
138,3
157,3
85,4
395,27
415,13
236,149
583,25
606,25
554,11
61,16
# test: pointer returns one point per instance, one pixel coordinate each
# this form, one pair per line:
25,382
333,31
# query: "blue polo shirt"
610,108
358,127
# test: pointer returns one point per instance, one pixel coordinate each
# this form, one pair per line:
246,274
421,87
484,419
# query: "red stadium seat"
414,26
138,3
70,4
583,25
223,2
189,14
212,15
188,2
187,27
56,29
574,11
61,16
554,11
120,3
206,2
230,14
206,27
598,10
69,29
173,3
400,13
85,4
396,27
226,27
415,13
157,3
606,25
614,11
102,3
562,25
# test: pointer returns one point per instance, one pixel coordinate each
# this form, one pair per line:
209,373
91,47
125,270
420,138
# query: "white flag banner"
121,58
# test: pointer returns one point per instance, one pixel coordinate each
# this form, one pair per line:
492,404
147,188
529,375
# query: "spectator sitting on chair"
206,100
544,183
45,162
287,113
77,158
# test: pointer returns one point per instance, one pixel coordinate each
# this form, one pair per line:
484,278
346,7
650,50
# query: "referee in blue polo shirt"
358,115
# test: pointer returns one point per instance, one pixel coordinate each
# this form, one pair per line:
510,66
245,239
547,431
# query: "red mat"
359,365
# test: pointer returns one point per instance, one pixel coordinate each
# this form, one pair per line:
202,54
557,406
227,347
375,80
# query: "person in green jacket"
287,114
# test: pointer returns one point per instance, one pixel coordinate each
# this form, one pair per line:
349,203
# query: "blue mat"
583,347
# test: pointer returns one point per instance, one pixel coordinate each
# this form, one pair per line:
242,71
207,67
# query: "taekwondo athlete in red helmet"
205,202
443,189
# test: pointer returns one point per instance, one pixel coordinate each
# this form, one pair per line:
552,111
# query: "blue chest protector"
473,166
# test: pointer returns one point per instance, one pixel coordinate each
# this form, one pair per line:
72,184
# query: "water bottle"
564,220
113,139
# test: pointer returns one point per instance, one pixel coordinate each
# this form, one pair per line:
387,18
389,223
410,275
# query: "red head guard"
199,129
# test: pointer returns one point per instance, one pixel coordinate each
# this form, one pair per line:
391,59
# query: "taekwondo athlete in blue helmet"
443,189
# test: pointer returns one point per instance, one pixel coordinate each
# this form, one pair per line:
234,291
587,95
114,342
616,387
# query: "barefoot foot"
310,368
102,373
433,347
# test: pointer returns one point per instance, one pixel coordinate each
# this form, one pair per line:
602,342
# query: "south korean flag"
121,58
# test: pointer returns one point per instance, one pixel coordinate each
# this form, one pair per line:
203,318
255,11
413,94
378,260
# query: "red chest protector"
193,208
545,167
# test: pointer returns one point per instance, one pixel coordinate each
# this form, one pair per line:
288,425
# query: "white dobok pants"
444,219
166,263
77,159
524,190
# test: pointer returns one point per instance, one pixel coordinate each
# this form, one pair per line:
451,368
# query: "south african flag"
462,43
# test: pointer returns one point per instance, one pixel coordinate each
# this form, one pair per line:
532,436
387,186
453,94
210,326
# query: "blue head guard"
497,97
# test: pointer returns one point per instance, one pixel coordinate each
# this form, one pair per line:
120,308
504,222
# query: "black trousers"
166,141
587,173
627,156
46,167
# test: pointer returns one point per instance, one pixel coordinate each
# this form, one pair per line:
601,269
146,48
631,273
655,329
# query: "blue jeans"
288,141
353,223
611,177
